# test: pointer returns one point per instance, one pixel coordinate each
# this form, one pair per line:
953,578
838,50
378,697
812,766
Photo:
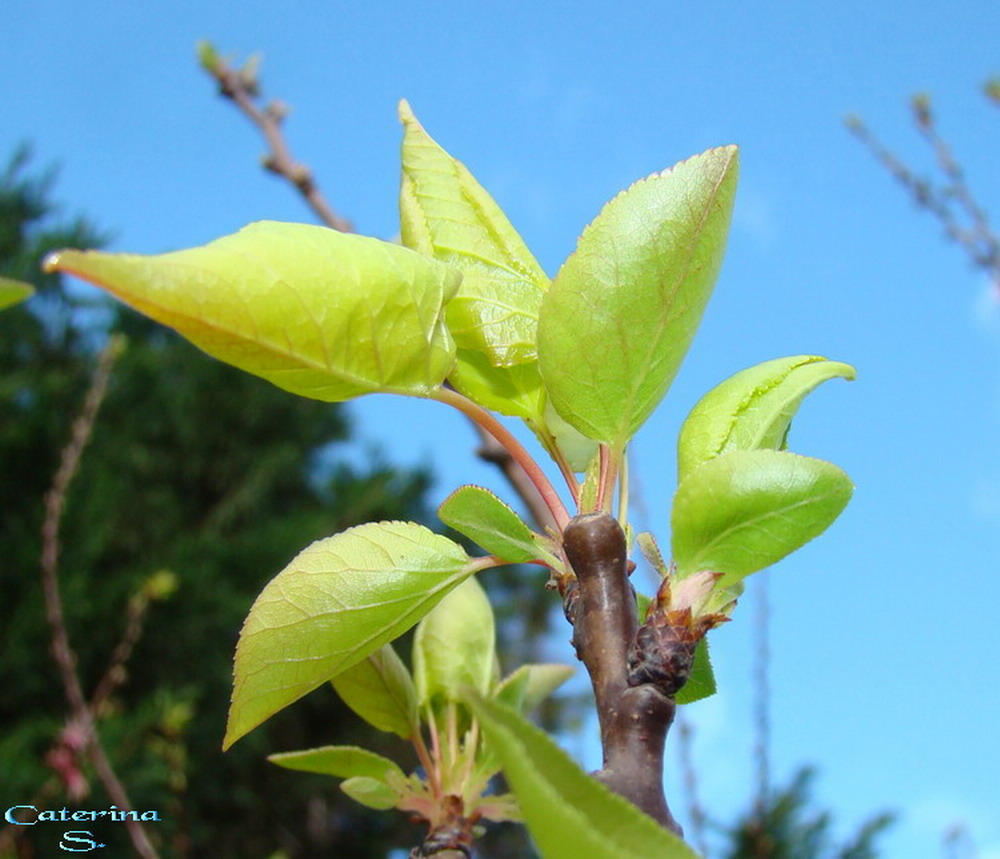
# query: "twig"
241,87
953,204
762,702
114,674
695,810
55,500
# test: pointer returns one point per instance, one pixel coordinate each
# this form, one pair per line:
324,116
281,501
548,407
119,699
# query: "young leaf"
14,292
446,213
339,600
578,450
651,552
338,761
455,645
380,690
485,519
752,409
515,391
319,313
567,812
747,509
371,792
701,681
623,309
526,687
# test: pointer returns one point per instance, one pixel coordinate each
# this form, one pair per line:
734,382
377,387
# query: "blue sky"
884,651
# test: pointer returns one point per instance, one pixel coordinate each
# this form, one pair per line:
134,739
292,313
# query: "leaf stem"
552,449
623,491
488,422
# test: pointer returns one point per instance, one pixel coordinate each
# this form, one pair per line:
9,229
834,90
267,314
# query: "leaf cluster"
463,314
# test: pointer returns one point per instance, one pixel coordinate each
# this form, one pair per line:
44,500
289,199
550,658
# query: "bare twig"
762,695
696,812
242,88
952,202
81,720
114,674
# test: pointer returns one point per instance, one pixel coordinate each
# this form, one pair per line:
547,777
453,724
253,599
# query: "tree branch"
634,719
241,87
81,722
952,203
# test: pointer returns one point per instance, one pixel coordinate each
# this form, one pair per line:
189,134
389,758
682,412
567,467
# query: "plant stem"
488,422
62,652
634,720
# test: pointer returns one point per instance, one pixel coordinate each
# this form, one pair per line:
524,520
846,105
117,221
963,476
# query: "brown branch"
81,718
953,204
114,674
762,690
240,86
695,810
634,719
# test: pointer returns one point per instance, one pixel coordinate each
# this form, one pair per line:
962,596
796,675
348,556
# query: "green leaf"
701,682
319,313
338,761
567,812
651,552
455,645
578,450
380,690
446,213
620,315
516,391
14,292
526,687
371,792
747,509
485,519
339,600
752,409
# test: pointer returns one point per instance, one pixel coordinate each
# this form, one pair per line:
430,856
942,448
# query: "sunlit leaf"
317,312
485,519
516,391
339,600
578,450
567,812
14,292
701,681
338,761
619,317
380,690
745,510
752,409
446,213
455,645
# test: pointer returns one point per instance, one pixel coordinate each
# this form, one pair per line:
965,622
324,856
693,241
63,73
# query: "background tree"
788,826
